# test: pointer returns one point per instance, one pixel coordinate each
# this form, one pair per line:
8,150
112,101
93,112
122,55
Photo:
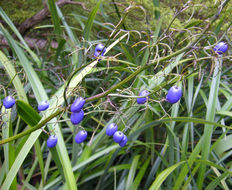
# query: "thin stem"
36,127
83,66
103,94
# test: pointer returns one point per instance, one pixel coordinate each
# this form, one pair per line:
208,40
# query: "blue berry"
220,48
118,136
144,99
8,102
43,106
111,129
77,117
81,136
174,94
77,104
98,50
52,141
123,141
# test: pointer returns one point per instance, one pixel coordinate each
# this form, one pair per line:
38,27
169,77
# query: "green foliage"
149,46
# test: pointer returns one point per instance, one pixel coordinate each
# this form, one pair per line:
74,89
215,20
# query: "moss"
20,10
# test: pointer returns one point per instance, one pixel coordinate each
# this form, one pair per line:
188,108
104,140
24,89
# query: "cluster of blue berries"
118,136
173,96
76,117
77,114
77,111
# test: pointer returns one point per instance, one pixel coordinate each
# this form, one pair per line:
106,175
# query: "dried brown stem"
43,14
35,20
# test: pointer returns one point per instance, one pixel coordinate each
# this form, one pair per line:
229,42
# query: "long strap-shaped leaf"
40,94
55,101
210,114
204,143
7,131
89,23
163,175
13,76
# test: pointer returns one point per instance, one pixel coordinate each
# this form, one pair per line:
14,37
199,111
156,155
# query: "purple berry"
43,106
123,141
77,117
98,50
220,48
8,102
52,141
144,99
81,136
111,129
77,104
174,94
118,136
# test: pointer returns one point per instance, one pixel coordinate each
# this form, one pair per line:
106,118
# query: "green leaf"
140,175
223,145
68,29
224,113
157,9
13,28
163,176
55,18
210,115
215,182
89,24
27,113
85,163
40,95
8,149
13,76
132,171
127,53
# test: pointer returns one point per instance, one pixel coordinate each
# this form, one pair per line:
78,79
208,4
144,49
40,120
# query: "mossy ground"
20,10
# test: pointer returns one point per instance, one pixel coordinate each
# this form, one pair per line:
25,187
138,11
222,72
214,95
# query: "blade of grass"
2,172
40,95
221,179
127,53
74,40
224,113
157,11
223,145
210,115
214,183
132,171
9,149
97,174
13,76
172,142
13,28
55,19
89,24
163,175
84,163
140,175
